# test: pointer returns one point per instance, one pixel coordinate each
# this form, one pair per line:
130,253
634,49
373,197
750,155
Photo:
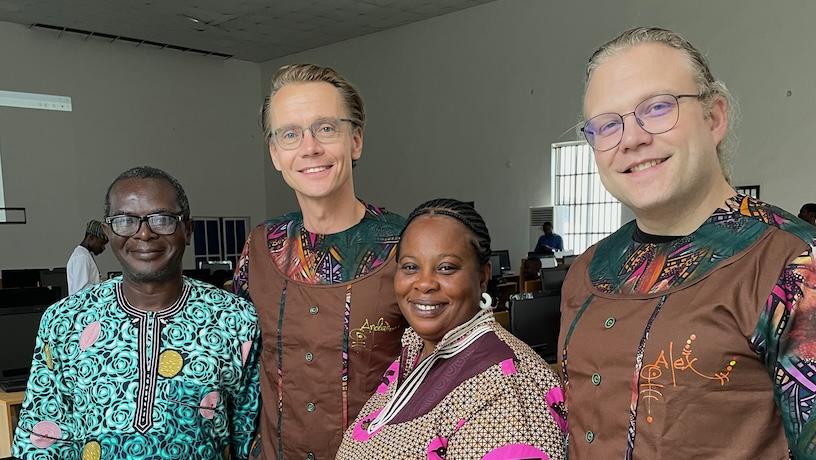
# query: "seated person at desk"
549,242
150,365
463,387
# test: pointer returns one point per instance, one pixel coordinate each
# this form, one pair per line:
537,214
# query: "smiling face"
314,170
656,173
439,280
147,256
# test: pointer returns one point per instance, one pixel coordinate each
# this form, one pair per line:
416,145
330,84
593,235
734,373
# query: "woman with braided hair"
462,387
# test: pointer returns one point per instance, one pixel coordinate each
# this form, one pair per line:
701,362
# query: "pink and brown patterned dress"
496,399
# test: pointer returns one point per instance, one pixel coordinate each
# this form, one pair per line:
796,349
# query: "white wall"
193,116
466,105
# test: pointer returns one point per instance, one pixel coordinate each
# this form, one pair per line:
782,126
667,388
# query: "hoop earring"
486,302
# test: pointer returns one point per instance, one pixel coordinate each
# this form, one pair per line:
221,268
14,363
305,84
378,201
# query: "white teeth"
646,165
424,307
315,169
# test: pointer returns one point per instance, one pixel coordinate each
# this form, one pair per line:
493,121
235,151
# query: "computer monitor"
568,260
536,321
504,259
23,297
56,278
213,266
18,332
552,278
495,266
17,278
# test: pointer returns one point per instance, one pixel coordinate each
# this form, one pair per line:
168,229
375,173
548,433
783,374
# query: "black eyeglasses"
656,115
126,225
325,130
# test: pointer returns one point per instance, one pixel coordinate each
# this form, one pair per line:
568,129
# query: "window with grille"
584,211
217,239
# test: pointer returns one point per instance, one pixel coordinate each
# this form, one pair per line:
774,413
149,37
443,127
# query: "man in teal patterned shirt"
150,365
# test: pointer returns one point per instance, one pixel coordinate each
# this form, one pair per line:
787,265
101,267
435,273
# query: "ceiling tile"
255,30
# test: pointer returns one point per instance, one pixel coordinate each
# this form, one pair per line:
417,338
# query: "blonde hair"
301,73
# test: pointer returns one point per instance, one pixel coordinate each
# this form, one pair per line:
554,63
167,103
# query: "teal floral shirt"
110,381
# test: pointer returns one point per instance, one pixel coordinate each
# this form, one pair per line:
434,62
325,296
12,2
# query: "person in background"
549,241
808,213
148,365
320,277
463,387
81,269
689,332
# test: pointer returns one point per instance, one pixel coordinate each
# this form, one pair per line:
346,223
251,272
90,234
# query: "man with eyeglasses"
321,278
689,332
150,364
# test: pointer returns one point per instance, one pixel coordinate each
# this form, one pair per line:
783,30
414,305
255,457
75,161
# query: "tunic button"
310,407
590,436
609,322
309,356
309,456
313,309
596,379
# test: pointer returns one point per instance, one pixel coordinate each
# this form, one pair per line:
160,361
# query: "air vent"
540,215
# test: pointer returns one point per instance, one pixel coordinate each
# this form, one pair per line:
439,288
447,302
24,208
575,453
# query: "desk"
511,278
7,403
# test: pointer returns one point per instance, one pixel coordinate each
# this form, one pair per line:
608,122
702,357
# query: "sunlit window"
584,211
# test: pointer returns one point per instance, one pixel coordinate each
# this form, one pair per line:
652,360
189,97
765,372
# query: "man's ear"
718,119
188,231
108,232
356,143
273,154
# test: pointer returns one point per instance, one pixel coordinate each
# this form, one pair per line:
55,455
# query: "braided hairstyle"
464,213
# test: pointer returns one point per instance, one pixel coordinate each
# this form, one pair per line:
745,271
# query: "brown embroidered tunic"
330,326
698,347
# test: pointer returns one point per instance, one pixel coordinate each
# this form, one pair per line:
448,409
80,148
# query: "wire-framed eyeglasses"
324,130
655,115
126,225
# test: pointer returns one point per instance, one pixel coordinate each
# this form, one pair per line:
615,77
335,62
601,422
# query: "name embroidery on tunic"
360,335
652,375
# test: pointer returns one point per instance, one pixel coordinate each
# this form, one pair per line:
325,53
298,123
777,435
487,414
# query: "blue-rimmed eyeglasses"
325,130
126,225
656,115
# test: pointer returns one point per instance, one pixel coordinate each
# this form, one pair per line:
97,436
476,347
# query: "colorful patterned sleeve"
45,430
246,400
785,338
240,280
